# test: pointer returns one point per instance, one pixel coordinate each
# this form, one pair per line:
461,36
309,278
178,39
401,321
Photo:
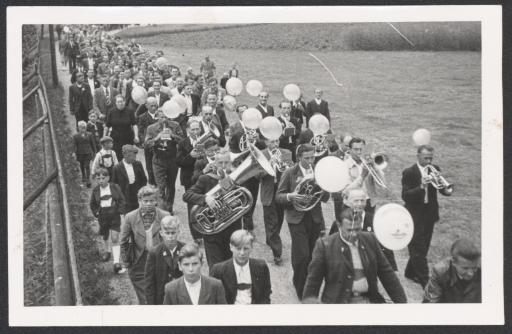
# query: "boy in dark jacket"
162,262
108,206
84,148
95,127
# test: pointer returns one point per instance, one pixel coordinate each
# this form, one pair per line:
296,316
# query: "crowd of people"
134,205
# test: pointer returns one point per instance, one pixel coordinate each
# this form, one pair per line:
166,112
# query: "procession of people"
127,99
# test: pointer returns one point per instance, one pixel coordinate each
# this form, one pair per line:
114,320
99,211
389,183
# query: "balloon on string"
229,102
291,92
319,124
234,86
180,101
171,109
254,87
139,94
251,118
393,226
421,137
271,128
332,174
161,62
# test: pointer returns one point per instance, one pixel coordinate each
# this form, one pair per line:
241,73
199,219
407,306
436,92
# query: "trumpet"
437,180
276,159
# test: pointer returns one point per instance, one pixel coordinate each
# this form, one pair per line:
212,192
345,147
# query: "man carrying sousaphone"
302,212
216,245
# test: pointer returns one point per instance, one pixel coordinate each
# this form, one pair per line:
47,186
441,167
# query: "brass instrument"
376,161
437,180
276,159
199,145
320,144
213,128
250,136
235,202
311,190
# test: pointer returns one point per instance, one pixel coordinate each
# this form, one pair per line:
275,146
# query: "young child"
95,127
106,157
108,206
84,148
162,262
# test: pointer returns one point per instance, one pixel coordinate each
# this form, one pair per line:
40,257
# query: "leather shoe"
278,261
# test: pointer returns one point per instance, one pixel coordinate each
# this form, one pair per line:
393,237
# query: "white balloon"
180,101
421,137
139,94
234,86
171,109
254,87
319,124
271,128
161,62
251,118
393,226
291,92
332,174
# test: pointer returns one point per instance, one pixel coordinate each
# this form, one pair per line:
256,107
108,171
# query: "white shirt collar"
422,169
192,285
304,171
318,101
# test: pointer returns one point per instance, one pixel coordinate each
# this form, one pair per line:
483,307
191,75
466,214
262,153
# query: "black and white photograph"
216,157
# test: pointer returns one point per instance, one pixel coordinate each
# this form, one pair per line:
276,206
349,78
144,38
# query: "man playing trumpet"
305,226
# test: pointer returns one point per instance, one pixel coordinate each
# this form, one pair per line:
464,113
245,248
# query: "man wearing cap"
145,120
263,106
350,262
163,137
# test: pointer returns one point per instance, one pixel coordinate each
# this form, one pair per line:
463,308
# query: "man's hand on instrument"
296,197
209,168
194,154
212,202
425,180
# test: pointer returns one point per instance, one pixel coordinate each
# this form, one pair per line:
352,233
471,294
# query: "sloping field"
425,36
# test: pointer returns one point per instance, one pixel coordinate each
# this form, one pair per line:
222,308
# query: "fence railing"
65,271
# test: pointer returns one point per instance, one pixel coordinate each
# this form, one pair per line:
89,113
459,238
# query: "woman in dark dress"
122,124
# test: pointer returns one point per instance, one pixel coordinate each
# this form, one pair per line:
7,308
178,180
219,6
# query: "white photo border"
489,312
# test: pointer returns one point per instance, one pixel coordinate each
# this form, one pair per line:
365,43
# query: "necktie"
425,200
107,95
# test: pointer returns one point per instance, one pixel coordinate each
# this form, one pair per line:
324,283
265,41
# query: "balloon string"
327,69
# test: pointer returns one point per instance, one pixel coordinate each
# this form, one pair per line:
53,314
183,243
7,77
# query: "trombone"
375,163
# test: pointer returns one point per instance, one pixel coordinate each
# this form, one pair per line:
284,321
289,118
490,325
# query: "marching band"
291,157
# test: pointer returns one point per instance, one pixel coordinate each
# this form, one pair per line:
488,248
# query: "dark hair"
466,249
356,140
302,148
101,171
240,106
212,80
347,213
285,101
210,142
426,148
190,250
119,96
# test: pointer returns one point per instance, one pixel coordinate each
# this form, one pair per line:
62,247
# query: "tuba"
234,202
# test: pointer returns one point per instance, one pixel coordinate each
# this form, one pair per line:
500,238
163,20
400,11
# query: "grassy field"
386,96
425,36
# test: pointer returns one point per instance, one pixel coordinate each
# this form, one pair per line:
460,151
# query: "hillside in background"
425,36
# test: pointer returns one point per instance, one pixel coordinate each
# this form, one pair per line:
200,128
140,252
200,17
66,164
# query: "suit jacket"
260,280
79,97
336,268
270,110
367,223
199,165
120,176
312,108
168,156
196,104
133,225
100,100
268,184
212,292
163,97
196,194
117,197
72,50
298,112
161,268
236,131
144,121
186,162
285,141
413,196
289,180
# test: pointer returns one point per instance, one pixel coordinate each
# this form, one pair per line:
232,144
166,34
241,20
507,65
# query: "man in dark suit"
193,101
291,128
216,245
104,98
145,120
160,96
129,175
356,200
298,110
236,130
317,105
89,62
92,81
186,159
218,111
420,198
80,99
72,50
273,213
350,263
162,262
305,226
211,123
246,280
206,162
163,138
263,106
193,288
